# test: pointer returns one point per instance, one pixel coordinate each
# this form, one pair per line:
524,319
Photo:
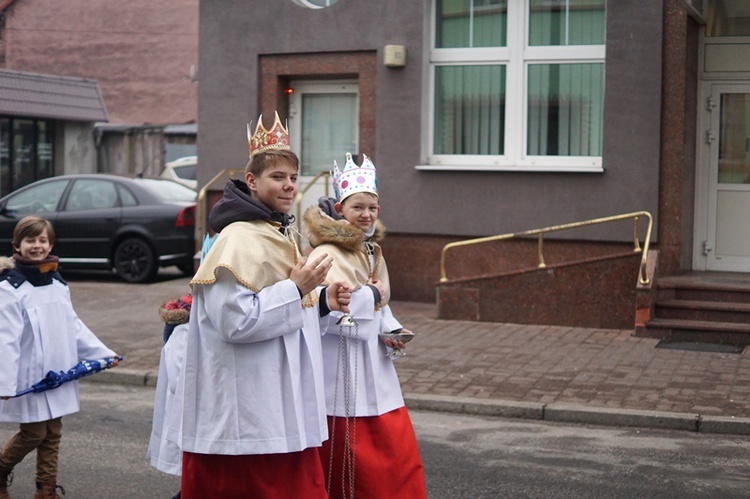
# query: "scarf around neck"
38,272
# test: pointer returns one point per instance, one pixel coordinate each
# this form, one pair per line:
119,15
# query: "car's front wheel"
135,261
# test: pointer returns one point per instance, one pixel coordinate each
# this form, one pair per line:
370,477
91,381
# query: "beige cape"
256,253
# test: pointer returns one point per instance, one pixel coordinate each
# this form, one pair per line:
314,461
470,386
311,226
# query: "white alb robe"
378,390
164,455
40,332
252,381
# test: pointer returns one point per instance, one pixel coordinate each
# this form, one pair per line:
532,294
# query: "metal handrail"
301,194
642,273
200,219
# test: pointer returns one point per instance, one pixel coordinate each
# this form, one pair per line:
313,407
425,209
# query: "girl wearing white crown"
371,438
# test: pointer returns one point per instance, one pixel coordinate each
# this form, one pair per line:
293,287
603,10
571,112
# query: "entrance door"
727,246
323,127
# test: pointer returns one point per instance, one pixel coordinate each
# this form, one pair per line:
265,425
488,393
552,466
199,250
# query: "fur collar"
7,263
319,228
174,316
177,311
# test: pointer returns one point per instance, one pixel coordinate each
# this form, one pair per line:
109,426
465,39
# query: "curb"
563,413
560,413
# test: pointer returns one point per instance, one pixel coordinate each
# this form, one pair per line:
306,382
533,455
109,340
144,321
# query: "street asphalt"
552,373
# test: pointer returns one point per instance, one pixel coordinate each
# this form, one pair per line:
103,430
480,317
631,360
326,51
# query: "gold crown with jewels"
277,138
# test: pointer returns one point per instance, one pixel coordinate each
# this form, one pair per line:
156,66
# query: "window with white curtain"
321,144
323,122
517,85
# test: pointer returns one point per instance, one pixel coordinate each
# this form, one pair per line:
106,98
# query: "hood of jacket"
236,205
320,228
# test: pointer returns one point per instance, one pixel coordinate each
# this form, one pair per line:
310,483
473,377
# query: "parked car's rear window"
168,190
185,171
126,197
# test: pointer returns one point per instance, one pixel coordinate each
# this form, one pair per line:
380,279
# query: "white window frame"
516,57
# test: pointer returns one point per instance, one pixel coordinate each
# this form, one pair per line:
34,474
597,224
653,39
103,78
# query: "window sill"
509,168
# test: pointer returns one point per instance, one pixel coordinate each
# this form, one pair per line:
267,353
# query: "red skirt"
386,457
268,476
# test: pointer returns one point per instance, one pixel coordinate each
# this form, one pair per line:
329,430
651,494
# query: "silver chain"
348,349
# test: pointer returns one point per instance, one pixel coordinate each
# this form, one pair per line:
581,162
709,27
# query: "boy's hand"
309,275
338,296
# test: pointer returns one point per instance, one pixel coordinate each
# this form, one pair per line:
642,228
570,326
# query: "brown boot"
48,490
5,480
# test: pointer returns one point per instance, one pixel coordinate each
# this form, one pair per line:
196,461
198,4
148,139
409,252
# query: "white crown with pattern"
353,178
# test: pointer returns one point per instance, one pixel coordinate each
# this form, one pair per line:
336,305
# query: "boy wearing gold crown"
250,395
372,450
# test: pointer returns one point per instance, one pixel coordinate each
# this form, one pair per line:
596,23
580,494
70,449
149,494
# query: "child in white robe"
372,443
164,455
39,332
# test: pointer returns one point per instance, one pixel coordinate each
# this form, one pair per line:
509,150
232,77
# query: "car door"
40,199
87,223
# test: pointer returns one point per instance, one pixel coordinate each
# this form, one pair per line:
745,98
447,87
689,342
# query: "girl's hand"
397,344
378,285
339,295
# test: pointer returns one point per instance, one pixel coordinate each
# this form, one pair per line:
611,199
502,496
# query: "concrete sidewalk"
580,375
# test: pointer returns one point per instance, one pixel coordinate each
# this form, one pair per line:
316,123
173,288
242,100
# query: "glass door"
323,127
323,123
727,247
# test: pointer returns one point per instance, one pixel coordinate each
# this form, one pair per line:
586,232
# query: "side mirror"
4,211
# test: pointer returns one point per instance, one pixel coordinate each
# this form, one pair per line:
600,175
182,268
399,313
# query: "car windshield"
42,198
168,190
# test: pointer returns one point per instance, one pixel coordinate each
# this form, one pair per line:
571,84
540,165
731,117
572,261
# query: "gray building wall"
235,33
78,148
131,151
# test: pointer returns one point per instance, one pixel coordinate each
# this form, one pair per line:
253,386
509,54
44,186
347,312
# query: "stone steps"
701,307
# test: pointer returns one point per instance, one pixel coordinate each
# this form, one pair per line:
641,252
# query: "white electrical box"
395,56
